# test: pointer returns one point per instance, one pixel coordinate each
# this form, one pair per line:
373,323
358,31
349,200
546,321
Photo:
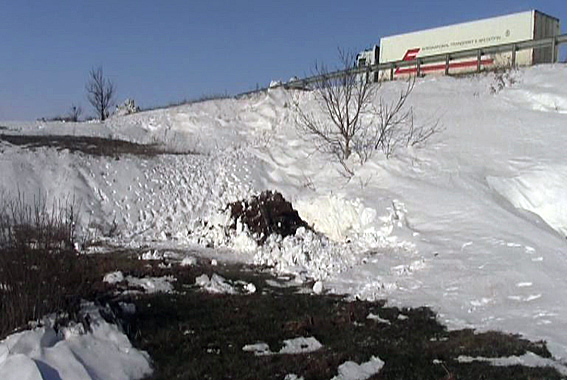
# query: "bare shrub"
352,117
40,272
502,79
345,101
395,126
75,113
100,92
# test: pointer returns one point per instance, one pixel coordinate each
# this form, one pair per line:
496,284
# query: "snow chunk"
293,376
250,288
188,261
300,345
151,255
113,277
149,284
353,371
153,284
215,284
103,353
336,217
259,349
377,318
318,287
306,252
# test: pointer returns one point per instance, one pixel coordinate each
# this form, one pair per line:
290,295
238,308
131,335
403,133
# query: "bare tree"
351,116
100,92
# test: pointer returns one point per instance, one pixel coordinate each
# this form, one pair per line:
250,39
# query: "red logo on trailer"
411,55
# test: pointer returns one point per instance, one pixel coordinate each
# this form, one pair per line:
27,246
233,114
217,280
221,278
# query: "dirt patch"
97,146
265,214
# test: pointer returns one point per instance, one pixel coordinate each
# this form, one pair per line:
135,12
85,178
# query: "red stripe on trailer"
456,65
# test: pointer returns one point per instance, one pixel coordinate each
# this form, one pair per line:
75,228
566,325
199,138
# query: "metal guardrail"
445,58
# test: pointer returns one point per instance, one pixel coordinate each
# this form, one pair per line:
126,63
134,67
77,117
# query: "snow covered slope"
472,224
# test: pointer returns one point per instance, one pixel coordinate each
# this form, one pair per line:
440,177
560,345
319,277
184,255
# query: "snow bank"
103,352
529,359
337,217
541,190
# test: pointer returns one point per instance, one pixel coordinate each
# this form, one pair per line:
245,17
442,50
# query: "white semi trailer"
510,29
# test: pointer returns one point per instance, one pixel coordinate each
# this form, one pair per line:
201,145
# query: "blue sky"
163,51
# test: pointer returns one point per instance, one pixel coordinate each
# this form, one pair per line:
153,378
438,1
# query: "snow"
72,354
300,345
215,284
259,349
220,285
152,284
377,318
148,284
113,277
529,359
292,376
353,371
462,224
318,287
188,261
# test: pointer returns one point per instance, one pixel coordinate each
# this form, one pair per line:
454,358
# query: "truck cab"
369,57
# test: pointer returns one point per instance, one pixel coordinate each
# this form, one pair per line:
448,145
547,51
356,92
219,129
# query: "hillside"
472,224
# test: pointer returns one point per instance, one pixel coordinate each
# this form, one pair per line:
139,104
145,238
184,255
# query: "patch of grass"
39,270
96,146
196,335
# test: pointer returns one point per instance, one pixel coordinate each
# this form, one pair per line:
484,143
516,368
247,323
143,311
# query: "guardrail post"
478,60
392,72
418,67
514,56
447,64
553,44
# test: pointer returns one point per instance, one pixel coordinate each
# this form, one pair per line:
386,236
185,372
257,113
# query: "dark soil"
265,214
196,335
96,146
